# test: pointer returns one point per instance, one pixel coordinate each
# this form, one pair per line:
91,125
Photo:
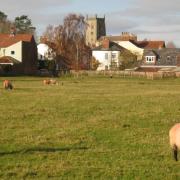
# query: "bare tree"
69,40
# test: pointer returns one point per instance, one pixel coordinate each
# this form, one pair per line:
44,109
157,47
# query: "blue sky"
149,19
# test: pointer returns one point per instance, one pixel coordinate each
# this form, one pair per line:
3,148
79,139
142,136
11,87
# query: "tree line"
21,24
67,40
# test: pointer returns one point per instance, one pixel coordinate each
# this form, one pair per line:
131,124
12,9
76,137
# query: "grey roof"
163,51
164,56
150,53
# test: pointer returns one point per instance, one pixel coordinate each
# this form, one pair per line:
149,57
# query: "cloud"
157,19
33,8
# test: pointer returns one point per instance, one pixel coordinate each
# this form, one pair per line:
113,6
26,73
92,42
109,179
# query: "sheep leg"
175,151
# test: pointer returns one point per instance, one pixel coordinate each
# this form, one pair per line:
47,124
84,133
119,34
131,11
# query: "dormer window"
150,59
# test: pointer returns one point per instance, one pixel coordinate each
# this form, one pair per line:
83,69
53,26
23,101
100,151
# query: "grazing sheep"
53,81
46,81
7,84
174,135
50,81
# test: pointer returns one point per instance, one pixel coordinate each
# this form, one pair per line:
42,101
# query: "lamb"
7,84
174,135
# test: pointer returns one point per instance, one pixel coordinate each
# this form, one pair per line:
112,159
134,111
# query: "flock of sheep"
174,133
8,84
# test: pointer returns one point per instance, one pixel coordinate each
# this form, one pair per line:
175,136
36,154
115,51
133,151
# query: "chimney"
105,43
12,32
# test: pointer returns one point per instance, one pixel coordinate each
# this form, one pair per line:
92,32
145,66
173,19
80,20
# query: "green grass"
88,128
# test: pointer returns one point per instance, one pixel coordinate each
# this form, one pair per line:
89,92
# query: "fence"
148,75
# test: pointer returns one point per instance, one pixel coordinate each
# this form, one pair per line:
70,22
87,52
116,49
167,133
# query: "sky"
148,19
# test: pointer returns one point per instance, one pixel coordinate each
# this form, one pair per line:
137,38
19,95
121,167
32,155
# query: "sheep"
174,136
46,81
53,81
7,84
50,81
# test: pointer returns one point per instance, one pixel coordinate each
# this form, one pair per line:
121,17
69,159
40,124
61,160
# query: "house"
129,41
49,61
45,52
18,54
108,55
158,58
125,40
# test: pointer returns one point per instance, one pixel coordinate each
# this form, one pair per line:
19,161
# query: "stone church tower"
95,29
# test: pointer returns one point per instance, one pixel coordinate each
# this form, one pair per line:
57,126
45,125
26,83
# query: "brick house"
18,54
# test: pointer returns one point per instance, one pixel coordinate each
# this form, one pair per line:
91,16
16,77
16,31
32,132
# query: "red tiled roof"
149,44
8,60
8,39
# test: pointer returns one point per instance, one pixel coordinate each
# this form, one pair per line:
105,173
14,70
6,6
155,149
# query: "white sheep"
174,137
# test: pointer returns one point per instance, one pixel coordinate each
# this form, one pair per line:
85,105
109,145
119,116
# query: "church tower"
95,29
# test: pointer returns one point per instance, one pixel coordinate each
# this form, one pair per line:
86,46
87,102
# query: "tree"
94,63
127,60
69,40
3,17
5,24
23,25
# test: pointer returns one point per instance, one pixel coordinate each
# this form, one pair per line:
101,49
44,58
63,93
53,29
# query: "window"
106,56
113,56
150,59
12,52
4,52
169,58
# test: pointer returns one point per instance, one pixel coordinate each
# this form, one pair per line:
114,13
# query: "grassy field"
88,128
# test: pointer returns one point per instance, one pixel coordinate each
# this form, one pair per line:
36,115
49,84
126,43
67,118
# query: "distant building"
108,55
125,40
158,58
96,28
18,54
130,42
45,52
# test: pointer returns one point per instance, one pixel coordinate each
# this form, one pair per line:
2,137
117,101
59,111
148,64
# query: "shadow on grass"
43,149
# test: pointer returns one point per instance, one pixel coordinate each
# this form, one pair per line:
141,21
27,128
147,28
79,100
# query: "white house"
19,51
129,41
45,52
108,55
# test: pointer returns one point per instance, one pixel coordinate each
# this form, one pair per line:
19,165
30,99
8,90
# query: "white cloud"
158,19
